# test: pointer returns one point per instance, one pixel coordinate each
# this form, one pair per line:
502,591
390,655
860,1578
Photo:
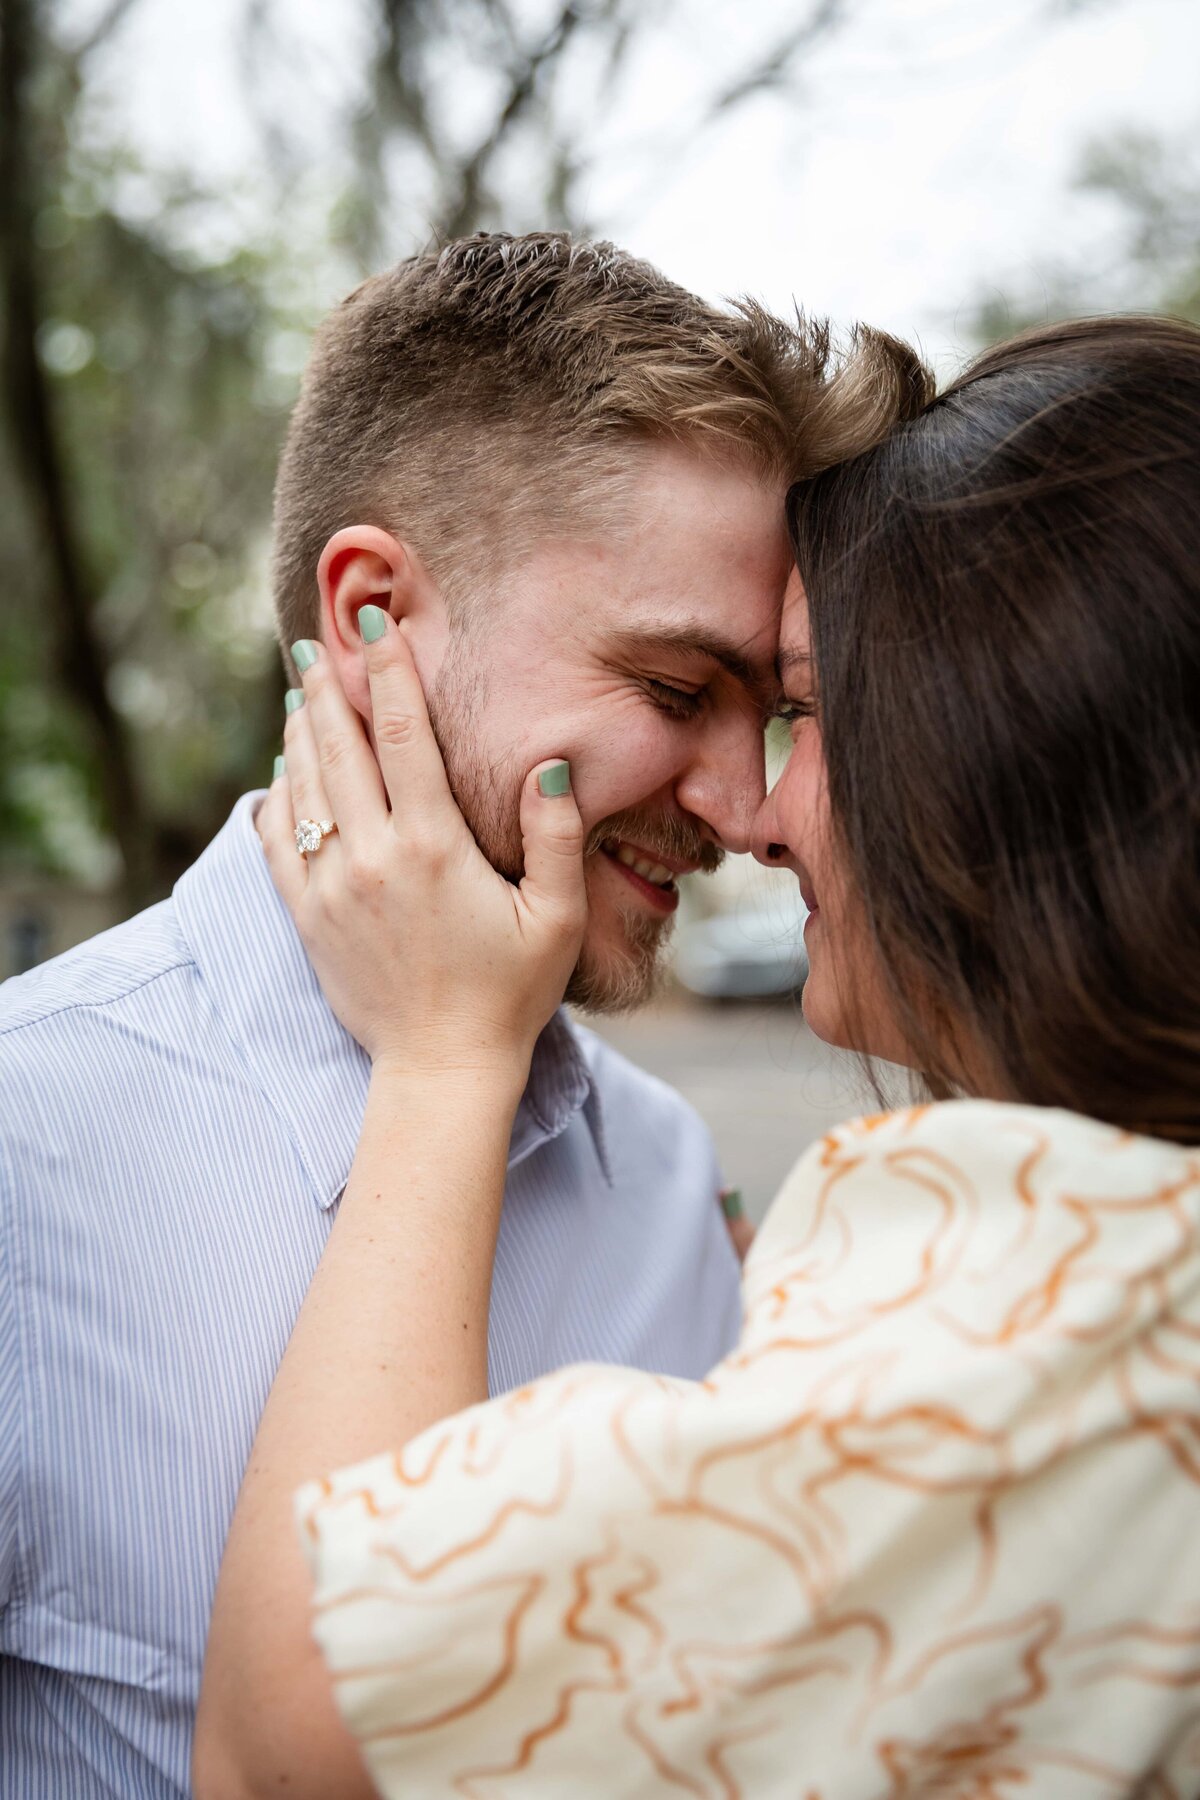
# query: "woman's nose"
765,844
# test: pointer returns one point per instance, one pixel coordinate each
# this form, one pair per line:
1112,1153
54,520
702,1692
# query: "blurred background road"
765,1086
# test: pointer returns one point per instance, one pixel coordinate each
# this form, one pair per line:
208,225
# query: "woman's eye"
792,712
677,701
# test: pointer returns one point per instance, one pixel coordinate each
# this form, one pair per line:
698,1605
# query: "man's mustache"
663,834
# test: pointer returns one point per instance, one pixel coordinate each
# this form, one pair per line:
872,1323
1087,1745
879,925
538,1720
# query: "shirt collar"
310,1069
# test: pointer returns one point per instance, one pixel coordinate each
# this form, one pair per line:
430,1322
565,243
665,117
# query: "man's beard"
612,977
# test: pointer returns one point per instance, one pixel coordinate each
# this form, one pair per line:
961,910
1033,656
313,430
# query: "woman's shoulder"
972,1209
971,1332
1021,1151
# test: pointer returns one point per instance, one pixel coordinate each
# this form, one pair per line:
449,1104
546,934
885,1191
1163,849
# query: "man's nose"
725,786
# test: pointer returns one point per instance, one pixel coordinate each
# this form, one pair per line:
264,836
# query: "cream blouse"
933,1528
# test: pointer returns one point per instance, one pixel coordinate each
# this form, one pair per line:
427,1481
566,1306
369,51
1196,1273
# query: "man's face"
645,658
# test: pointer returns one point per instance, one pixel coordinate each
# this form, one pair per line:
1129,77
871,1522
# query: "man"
564,475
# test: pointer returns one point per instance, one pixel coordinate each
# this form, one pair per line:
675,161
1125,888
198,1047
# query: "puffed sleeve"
930,1523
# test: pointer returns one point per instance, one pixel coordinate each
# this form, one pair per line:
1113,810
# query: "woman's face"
844,997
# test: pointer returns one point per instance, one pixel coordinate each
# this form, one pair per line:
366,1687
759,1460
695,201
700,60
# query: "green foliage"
1158,189
169,436
168,404
1154,261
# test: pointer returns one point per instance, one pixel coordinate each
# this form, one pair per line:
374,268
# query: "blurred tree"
145,374
500,133
1157,187
136,450
1152,260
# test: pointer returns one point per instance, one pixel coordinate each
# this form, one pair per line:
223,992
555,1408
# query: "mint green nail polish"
293,699
372,623
555,780
304,654
278,768
731,1203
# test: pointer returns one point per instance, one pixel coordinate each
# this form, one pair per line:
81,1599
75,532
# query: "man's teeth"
649,871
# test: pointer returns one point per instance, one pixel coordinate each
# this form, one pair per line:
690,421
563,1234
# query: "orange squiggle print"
929,1532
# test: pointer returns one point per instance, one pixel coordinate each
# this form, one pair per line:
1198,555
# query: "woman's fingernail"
555,780
731,1203
293,698
304,654
279,768
372,623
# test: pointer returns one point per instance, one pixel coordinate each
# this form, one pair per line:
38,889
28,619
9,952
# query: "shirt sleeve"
10,1397
925,1505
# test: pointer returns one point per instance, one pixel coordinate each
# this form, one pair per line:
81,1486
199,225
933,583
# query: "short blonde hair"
479,392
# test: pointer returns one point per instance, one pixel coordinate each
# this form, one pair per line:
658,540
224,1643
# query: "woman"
932,1527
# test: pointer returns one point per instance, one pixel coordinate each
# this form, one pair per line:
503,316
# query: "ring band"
311,834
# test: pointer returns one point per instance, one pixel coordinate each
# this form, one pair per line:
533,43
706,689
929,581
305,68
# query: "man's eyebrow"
695,639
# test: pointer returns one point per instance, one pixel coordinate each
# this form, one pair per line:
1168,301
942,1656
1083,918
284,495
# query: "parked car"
753,953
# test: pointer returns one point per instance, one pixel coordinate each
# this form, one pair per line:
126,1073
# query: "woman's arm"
929,1528
393,1334
391,1338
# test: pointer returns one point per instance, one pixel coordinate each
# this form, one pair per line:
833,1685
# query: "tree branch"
774,68
36,453
462,214
104,27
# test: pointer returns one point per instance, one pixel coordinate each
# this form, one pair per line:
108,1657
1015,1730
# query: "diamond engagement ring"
311,834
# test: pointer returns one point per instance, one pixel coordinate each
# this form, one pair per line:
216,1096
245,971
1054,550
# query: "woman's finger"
303,767
349,774
740,1228
552,834
409,758
741,1236
276,828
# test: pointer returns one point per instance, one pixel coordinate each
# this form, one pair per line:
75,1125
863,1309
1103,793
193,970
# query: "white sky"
935,162
924,158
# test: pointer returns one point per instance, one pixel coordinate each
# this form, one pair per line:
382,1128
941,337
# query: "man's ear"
363,565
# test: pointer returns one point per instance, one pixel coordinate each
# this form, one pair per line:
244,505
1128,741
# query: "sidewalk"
763,1083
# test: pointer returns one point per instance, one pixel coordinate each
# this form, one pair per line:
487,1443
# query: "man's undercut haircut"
484,396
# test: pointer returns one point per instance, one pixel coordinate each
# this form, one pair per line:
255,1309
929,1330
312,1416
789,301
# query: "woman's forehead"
794,640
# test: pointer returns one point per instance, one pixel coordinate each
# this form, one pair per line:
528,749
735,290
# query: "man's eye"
677,701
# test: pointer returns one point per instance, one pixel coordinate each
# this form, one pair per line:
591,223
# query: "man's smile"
650,878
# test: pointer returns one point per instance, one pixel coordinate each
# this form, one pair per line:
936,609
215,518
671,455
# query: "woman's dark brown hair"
1005,613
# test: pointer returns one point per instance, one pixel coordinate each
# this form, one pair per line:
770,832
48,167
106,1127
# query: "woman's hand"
432,960
446,973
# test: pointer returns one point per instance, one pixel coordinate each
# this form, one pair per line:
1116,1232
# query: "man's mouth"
653,880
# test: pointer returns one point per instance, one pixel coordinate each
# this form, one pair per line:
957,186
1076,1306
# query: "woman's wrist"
484,1084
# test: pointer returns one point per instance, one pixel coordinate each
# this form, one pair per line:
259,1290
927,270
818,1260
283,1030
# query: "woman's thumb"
552,834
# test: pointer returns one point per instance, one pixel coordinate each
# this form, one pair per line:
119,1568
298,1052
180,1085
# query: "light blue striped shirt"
178,1114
